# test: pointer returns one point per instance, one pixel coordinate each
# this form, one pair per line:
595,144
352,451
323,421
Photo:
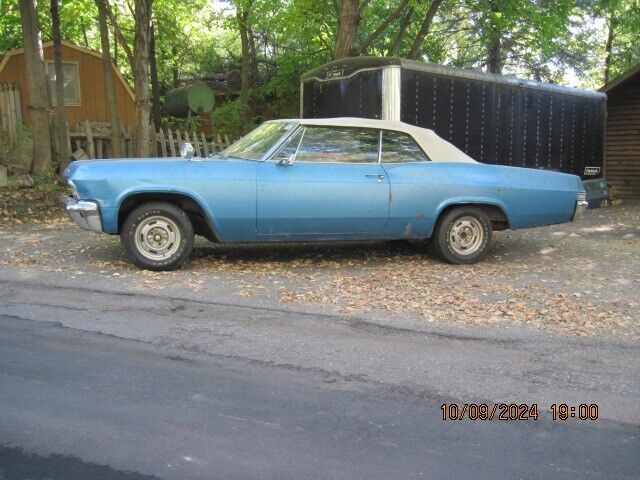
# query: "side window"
71,75
339,144
398,147
290,147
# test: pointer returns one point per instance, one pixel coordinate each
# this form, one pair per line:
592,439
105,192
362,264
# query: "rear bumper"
581,206
85,214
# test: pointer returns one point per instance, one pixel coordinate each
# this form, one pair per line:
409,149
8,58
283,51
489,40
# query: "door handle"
379,176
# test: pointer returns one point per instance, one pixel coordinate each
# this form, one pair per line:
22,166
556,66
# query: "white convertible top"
438,149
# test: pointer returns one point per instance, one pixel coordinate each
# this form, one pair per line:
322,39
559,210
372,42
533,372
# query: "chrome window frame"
277,144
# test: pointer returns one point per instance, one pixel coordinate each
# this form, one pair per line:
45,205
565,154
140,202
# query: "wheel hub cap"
466,235
157,237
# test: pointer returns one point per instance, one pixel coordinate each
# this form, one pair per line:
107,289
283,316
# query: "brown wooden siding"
623,138
93,101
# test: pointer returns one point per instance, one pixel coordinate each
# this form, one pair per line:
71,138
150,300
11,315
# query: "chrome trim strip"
379,63
285,138
341,77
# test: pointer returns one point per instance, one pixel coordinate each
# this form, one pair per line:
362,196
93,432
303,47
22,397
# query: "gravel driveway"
578,279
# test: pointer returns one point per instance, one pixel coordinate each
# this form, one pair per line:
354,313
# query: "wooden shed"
622,151
85,92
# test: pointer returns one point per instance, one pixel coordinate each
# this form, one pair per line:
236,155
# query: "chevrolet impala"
316,180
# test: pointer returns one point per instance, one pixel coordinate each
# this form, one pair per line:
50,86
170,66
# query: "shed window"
71,82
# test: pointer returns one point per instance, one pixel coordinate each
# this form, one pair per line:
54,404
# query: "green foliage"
558,41
228,119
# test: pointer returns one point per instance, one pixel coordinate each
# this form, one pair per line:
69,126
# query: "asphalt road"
79,403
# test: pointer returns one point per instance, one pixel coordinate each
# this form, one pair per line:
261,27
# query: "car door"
415,187
325,183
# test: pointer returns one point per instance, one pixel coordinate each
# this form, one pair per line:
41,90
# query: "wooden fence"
167,144
10,111
93,140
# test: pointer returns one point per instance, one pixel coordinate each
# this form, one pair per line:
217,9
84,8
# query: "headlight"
74,190
582,196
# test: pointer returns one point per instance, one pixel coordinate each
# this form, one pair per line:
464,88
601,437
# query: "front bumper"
85,214
581,206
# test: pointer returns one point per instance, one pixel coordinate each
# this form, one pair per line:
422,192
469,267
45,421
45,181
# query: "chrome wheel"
466,236
157,238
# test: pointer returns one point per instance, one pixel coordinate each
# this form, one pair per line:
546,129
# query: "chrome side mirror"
186,150
287,161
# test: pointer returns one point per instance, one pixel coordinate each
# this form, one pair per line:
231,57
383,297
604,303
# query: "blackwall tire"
157,236
462,235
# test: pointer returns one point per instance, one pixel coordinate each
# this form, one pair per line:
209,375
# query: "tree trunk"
175,77
141,76
348,20
414,52
39,101
118,35
155,83
609,48
495,62
107,69
248,74
61,111
402,31
393,16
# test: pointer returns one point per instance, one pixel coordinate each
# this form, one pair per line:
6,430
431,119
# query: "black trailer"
493,118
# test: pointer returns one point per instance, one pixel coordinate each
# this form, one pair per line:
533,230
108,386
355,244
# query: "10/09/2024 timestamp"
516,411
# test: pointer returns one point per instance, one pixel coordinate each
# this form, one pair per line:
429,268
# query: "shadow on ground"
16,464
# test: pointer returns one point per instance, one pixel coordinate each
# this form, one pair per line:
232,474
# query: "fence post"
205,147
99,152
68,138
215,148
172,147
163,145
90,145
186,136
178,140
196,144
10,112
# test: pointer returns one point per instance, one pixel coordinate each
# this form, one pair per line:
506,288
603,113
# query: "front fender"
110,224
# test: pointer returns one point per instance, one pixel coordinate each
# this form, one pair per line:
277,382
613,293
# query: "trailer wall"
502,122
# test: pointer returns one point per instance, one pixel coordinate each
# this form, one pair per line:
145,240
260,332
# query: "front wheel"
462,235
157,236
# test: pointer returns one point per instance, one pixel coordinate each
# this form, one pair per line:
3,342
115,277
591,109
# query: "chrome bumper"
86,215
581,206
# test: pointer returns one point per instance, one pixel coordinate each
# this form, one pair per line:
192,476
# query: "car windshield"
257,143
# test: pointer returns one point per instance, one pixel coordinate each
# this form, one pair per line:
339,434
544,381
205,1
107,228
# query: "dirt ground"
578,279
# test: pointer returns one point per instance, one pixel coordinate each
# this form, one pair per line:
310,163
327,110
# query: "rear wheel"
462,235
157,236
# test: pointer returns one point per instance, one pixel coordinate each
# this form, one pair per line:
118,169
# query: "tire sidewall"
444,247
175,214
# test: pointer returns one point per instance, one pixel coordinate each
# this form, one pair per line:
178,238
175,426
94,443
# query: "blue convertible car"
314,180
